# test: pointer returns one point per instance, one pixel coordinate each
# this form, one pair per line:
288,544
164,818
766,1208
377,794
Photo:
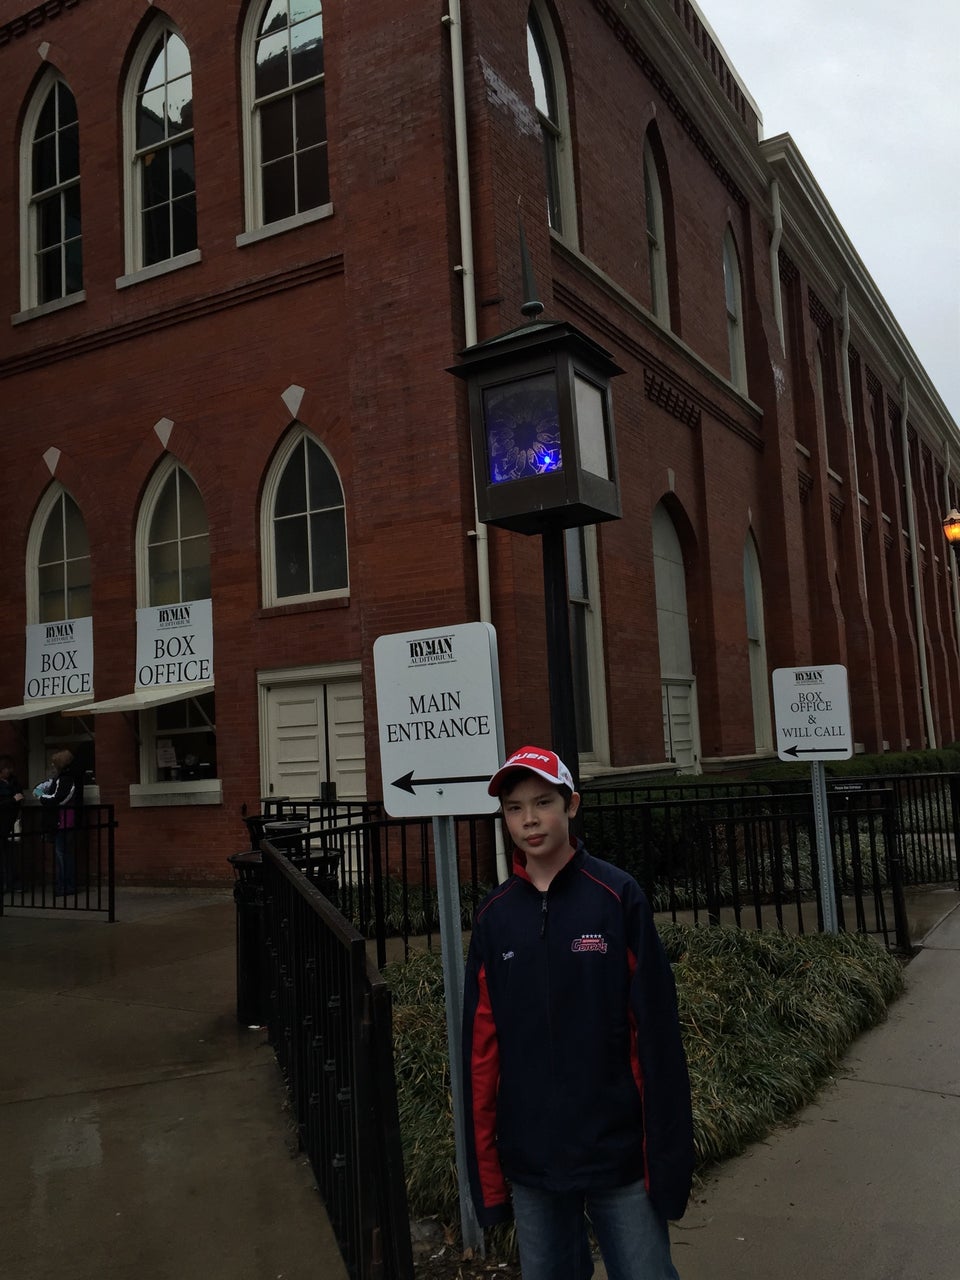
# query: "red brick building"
237,266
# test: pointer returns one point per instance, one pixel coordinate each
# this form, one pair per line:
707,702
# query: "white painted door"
680,724
314,735
678,688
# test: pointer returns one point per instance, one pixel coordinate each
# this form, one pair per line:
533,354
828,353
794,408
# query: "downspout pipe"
919,627
848,407
775,261
465,269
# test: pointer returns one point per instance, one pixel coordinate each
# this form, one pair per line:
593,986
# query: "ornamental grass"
766,1018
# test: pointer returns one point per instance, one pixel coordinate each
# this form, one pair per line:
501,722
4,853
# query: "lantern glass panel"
522,423
591,429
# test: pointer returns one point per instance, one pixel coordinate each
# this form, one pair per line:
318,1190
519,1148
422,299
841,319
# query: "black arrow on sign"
814,751
406,783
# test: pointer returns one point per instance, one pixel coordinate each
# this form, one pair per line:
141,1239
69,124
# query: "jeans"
552,1234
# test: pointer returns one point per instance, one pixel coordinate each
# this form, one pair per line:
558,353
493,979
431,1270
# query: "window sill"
48,308
304,606
146,795
284,224
159,269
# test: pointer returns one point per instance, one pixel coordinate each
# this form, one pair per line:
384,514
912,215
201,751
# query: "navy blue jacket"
575,1075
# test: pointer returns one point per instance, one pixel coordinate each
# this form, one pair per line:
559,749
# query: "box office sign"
59,659
175,644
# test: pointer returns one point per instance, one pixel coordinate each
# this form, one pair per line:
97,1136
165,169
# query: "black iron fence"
330,1024
62,869
739,853
332,876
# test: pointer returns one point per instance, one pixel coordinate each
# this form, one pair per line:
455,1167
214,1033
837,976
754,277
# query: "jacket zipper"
543,915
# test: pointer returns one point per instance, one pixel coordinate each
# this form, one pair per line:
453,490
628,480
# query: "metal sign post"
811,707
441,738
821,818
451,948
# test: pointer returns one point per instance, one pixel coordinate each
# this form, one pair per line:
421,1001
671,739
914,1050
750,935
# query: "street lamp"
951,528
541,425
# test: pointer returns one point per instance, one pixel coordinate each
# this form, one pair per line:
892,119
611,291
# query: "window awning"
42,707
143,699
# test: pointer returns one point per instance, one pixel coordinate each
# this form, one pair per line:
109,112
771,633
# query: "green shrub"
766,1019
888,764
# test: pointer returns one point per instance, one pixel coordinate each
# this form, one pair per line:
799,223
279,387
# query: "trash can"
254,823
322,867
288,837
252,993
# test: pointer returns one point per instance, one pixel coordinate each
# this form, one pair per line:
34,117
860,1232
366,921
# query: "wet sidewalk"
144,1136
143,1133
864,1186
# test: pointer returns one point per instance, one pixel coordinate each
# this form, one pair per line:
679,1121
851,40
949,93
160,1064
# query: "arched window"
656,236
53,248
161,195
285,117
61,560
178,739
678,690
59,590
550,97
304,525
757,646
177,544
733,296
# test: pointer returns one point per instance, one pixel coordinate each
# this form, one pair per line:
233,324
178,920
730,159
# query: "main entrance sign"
440,723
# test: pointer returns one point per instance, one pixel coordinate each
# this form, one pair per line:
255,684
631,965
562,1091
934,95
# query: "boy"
577,1093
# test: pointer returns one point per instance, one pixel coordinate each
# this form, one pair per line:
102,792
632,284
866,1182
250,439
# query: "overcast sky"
870,92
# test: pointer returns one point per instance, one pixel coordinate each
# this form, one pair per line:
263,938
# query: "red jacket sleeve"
481,1063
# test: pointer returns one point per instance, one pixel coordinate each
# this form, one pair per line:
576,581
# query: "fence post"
955,818
901,925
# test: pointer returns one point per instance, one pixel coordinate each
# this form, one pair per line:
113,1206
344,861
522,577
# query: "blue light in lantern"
523,429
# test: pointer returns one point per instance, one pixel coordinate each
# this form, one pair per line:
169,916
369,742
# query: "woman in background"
62,797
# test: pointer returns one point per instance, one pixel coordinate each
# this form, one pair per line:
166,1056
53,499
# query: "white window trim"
268,572
657,254
757,654
145,515
565,177
132,230
45,506
47,308
595,654
146,795
254,227
736,339
158,268
284,224
29,307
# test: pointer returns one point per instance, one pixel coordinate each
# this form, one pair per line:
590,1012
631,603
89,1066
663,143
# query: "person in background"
62,798
10,798
577,1091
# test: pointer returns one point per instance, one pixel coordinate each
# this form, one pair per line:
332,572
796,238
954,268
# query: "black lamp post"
951,529
541,424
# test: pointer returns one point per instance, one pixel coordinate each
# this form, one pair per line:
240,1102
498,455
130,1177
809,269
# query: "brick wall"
362,310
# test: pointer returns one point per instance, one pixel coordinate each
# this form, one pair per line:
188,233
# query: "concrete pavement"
865,1185
142,1131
